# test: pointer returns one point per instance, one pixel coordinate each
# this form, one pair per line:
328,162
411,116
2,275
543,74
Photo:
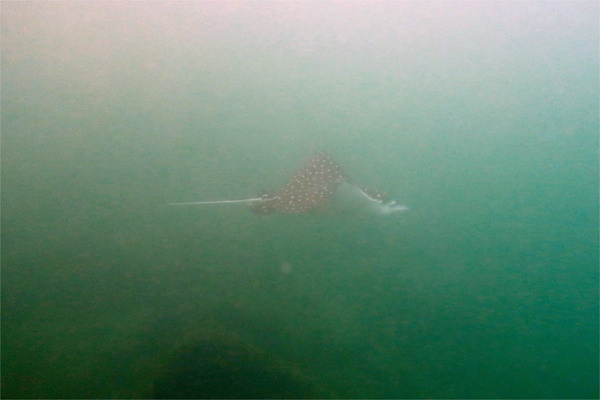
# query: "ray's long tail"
216,202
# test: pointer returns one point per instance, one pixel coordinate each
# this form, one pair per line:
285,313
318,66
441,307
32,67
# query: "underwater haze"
481,117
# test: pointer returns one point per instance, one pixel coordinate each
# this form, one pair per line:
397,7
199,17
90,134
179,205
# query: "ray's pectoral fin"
309,189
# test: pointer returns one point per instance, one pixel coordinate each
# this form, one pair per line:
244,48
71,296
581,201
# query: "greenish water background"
482,117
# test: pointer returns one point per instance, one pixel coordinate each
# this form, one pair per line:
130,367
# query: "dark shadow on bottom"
221,368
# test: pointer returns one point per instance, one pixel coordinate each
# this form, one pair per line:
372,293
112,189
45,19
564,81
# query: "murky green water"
481,117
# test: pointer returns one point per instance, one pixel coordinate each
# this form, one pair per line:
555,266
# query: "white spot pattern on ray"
310,188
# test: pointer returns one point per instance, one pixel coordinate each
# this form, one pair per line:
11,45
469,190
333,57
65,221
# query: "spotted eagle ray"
309,189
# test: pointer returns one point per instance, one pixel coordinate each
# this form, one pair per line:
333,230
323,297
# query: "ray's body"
310,188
